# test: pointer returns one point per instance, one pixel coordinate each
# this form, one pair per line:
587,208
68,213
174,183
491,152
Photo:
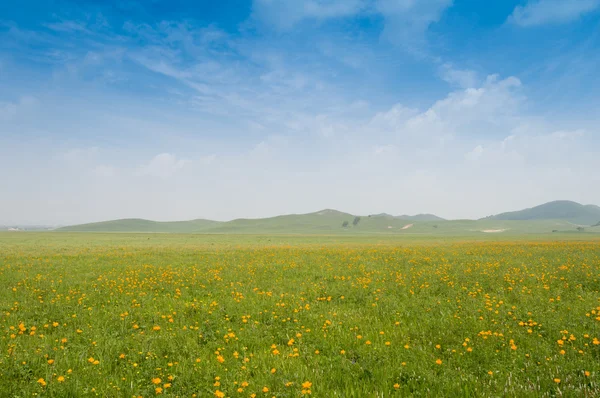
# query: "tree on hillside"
580,229
344,224
356,221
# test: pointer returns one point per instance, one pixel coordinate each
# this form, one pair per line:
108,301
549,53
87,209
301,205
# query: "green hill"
559,210
421,217
140,225
559,216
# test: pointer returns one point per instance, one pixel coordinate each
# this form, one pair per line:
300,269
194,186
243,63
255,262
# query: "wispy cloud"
285,14
541,12
407,20
163,165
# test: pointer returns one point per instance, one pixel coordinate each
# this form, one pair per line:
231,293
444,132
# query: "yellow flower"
42,382
50,361
586,373
306,385
490,373
156,380
273,370
220,358
265,389
219,394
156,328
158,390
396,386
438,361
60,379
557,380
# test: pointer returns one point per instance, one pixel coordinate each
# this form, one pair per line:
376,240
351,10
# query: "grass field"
287,316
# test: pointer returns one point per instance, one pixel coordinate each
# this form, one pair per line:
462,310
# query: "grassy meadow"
128,315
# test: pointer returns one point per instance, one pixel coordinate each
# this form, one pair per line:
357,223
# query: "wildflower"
158,390
219,394
265,389
557,380
438,361
156,380
396,386
42,382
60,379
156,328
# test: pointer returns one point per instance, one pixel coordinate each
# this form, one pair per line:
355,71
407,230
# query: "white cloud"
540,12
285,14
163,165
458,77
407,20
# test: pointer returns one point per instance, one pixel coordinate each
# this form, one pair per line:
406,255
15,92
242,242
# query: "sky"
176,110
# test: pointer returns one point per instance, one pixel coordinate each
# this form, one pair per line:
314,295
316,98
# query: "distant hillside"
418,217
561,216
140,225
421,217
559,210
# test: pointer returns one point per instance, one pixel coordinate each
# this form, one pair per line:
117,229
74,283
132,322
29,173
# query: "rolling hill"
561,216
140,225
558,210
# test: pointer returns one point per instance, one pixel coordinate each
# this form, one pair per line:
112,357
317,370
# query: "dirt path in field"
407,226
493,231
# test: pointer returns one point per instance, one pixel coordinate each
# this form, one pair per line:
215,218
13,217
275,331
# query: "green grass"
89,304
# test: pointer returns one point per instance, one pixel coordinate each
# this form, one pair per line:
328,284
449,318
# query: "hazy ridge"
557,216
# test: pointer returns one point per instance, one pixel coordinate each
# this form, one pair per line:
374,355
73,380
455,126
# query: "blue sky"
185,109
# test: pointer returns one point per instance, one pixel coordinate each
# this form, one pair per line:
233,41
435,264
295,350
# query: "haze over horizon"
178,110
